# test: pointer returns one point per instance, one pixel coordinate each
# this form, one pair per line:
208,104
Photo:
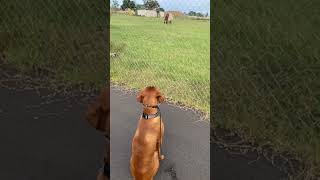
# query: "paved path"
54,142
50,142
186,147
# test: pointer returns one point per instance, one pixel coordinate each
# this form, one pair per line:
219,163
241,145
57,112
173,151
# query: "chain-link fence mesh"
174,57
63,39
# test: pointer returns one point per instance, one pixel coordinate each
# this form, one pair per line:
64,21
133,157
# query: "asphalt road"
185,144
46,142
186,147
49,139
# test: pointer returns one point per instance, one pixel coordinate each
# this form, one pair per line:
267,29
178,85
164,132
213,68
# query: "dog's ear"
104,100
140,97
98,112
160,97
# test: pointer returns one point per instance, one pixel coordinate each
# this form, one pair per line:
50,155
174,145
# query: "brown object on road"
168,18
144,162
98,116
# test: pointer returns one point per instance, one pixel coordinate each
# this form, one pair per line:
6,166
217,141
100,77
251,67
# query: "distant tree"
192,13
132,5
207,14
151,4
199,15
140,6
115,4
128,4
125,4
159,10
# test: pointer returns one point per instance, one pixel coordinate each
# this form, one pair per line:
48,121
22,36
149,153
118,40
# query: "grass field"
175,57
267,76
60,39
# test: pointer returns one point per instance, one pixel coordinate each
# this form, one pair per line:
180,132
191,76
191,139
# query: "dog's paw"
161,157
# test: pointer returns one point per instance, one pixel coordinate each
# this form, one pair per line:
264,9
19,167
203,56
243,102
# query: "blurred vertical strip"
266,82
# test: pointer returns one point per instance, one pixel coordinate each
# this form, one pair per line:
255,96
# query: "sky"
202,6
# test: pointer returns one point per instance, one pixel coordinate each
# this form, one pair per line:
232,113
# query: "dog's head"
98,113
150,96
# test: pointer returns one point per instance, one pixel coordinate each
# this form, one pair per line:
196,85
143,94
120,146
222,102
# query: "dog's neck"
148,110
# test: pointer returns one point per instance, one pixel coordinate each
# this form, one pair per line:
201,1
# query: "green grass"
267,75
61,39
175,57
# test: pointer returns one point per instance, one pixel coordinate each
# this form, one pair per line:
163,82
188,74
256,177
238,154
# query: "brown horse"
168,18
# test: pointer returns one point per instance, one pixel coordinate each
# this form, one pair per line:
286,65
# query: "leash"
150,116
160,130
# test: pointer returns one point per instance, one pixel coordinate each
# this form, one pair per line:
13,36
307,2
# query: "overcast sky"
202,6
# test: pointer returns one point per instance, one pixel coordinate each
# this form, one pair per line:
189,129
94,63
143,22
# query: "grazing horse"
168,18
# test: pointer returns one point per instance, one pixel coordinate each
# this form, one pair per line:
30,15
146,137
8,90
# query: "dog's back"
145,155
144,145
147,133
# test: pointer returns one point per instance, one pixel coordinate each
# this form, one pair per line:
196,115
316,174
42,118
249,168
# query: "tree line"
149,5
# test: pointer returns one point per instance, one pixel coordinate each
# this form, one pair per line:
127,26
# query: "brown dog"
144,162
98,115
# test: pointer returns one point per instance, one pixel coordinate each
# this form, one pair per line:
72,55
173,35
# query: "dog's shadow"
168,170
